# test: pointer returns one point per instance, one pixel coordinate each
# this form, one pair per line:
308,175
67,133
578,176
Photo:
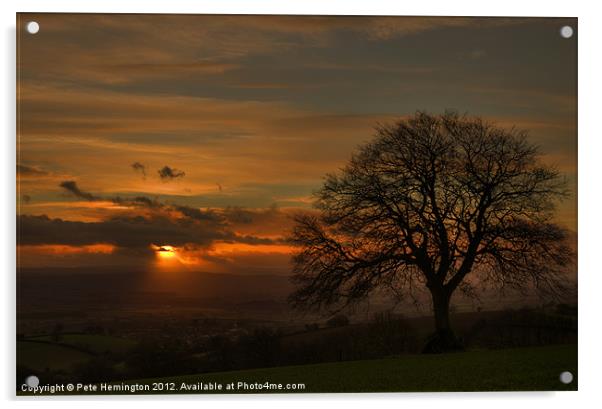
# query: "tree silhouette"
438,202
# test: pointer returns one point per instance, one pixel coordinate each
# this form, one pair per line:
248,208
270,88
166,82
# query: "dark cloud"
198,214
71,186
139,167
167,173
240,215
138,201
126,232
192,213
28,171
26,198
193,226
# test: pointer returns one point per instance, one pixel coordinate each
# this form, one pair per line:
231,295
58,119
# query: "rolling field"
43,352
520,369
39,356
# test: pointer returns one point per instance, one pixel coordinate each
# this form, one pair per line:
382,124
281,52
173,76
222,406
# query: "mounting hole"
32,27
32,381
566,377
566,32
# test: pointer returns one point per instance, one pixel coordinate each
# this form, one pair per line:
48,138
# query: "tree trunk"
444,339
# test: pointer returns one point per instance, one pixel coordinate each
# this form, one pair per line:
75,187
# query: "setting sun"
164,252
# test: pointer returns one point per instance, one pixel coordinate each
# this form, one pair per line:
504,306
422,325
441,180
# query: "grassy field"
43,352
521,369
39,356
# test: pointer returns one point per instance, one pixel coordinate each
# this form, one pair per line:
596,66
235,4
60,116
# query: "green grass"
520,369
39,356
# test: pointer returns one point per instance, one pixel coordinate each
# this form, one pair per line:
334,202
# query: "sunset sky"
186,142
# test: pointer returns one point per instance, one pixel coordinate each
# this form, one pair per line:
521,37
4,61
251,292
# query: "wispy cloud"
71,187
29,171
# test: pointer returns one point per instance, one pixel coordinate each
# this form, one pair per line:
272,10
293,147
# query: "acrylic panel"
295,204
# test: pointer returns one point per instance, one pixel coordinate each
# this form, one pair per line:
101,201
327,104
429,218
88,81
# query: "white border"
590,229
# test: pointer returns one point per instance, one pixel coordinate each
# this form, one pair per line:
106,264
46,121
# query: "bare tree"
436,202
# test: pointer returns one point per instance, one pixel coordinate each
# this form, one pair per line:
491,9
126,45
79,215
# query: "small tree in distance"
441,202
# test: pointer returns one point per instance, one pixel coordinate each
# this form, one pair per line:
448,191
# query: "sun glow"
164,252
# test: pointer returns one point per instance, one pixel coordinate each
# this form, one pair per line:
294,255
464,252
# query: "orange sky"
232,121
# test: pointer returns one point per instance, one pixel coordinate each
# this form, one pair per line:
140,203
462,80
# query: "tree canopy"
436,201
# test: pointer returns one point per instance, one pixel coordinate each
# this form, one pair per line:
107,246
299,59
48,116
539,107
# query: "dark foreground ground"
519,369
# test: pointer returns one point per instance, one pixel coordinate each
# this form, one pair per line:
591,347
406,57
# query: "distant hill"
69,288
